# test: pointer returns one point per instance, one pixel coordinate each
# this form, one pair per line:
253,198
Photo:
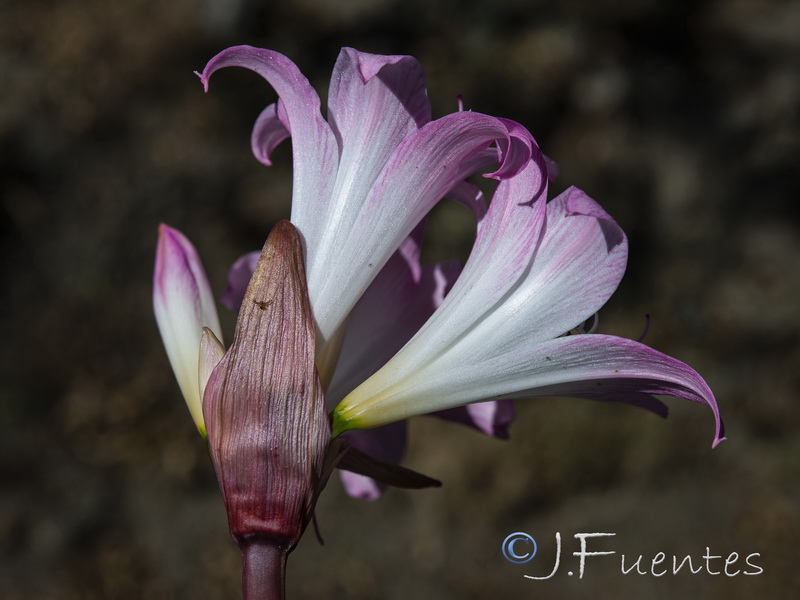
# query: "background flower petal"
269,131
492,417
238,278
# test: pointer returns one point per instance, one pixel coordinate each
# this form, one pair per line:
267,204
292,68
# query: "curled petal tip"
553,170
719,436
516,152
228,57
203,80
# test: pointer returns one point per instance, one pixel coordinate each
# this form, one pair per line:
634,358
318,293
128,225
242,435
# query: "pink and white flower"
395,339
337,304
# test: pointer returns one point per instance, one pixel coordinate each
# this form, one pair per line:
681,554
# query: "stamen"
460,101
316,529
581,329
646,328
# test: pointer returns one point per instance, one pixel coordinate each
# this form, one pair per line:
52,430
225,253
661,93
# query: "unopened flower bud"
268,430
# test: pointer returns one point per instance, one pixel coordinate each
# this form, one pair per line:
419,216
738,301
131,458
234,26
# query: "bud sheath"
268,430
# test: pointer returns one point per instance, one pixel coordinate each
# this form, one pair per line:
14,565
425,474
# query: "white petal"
592,366
507,238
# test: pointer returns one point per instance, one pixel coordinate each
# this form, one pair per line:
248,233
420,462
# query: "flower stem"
263,570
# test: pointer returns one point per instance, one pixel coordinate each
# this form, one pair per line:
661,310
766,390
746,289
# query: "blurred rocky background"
681,118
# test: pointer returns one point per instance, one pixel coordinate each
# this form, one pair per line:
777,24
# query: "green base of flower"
340,424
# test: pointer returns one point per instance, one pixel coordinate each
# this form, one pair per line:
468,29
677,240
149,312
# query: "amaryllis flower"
337,305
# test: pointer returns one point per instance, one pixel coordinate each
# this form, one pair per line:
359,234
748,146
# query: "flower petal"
211,352
426,166
375,102
507,238
578,264
238,278
391,311
553,170
492,417
183,305
590,366
269,131
314,147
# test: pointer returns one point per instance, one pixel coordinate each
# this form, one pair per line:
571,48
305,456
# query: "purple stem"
263,570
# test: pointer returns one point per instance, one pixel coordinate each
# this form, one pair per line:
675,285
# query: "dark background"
681,118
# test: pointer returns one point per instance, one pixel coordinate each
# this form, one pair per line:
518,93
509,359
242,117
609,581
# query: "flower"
338,305
394,307
363,180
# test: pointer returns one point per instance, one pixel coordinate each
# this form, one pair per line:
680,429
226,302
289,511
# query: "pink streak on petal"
179,275
426,165
374,103
598,367
605,367
507,239
578,264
